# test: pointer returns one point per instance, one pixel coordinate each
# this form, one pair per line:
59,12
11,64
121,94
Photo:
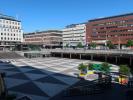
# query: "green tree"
90,66
110,45
34,47
129,43
93,45
124,69
82,67
105,67
67,45
79,45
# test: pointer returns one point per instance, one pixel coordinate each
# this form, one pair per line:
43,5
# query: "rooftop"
2,16
116,16
41,32
73,25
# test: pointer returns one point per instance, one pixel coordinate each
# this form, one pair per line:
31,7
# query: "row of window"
114,22
104,36
11,30
72,40
110,27
11,34
10,22
112,31
40,36
73,31
5,38
9,26
74,34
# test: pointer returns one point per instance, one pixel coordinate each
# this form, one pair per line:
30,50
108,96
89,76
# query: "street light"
119,42
106,42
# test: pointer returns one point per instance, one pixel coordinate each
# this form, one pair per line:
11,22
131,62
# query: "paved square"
40,78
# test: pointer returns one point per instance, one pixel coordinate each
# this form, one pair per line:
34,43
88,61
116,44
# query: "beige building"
50,38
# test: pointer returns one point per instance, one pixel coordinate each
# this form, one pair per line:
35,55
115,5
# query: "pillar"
61,55
130,61
116,59
91,56
106,58
80,56
70,55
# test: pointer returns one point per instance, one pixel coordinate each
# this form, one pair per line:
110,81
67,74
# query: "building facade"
10,31
50,38
117,29
74,34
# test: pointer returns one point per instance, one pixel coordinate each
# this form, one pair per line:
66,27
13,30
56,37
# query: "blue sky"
56,14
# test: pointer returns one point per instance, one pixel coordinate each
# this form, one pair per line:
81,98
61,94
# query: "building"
50,38
74,34
117,29
10,32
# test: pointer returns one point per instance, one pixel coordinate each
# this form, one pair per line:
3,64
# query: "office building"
11,32
74,34
117,29
50,38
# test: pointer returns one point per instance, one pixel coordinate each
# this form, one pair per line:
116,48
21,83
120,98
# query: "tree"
34,47
124,69
79,45
93,45
129,43
82,68
67,45
105,67
110,45
90,66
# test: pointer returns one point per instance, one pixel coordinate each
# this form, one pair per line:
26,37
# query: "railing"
89,51
96,86
70,50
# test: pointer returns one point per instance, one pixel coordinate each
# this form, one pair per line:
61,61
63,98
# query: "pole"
106,42
119,44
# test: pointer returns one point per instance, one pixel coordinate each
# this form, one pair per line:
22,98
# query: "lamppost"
119,42
106,42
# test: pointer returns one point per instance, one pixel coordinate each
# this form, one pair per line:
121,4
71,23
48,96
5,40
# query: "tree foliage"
82,66
67,45
110,45
79,45
34,47
93,45
124,69
105,67
90,66
129,43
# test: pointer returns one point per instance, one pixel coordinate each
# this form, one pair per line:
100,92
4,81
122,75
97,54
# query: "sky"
37,15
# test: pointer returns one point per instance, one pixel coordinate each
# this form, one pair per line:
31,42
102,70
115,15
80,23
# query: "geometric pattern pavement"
40,78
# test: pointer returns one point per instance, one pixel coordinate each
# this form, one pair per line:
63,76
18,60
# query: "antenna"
17,16
0,12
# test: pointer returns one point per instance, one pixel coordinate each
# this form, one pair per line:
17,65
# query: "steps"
10,55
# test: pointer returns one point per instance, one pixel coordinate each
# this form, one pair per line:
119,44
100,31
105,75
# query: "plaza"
40,79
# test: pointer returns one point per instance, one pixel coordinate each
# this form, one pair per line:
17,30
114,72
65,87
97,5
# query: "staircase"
10,55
